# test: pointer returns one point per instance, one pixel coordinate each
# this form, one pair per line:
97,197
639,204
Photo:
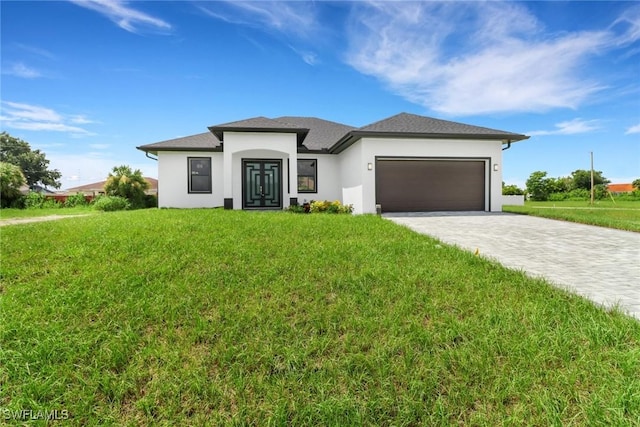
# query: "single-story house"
620,188
406,162
97,188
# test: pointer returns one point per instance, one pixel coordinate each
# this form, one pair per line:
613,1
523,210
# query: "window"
307,174
199,174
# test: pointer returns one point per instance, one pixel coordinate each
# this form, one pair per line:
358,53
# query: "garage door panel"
430,185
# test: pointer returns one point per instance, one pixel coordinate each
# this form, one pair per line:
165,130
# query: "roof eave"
154,150
218,131
353,136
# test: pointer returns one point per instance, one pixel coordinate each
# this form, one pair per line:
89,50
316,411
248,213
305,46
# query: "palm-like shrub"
126,183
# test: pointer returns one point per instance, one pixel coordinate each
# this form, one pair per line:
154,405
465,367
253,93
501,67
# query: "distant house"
402,163
620,188
97,188
36,189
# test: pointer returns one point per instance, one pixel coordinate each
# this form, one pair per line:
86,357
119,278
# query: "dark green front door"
262,184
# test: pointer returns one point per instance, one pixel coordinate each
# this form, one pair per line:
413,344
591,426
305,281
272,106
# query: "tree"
11,179
124,182
33,163
538,186
511,190
582,179
636,184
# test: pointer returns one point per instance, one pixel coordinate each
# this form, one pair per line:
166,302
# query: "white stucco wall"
427,148
352,171
173,181
328,178
343,177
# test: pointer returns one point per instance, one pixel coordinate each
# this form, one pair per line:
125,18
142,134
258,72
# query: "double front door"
261,184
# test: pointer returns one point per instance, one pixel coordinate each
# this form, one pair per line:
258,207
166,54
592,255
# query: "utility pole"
592,178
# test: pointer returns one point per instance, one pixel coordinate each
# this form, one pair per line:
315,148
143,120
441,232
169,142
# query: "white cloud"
99,146
36,51
295,20
499,60
633,129
570,127
296,17
122,15
20,70
36,118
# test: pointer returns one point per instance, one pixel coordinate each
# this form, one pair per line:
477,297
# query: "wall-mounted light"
370,166
495,167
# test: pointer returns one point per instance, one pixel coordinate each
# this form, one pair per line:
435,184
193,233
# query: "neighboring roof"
316,134
259,124
99,186
200,142
620,188
412,125
322,133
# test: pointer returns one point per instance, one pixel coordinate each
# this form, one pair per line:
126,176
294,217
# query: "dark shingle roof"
200,142
414,124
259,124
322,133
316,134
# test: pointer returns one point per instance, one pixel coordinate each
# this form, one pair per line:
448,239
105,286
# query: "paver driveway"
599,263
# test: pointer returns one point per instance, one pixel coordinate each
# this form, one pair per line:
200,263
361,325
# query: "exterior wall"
352,172
514,200
254,145
327,180
173,181
343,177
428,148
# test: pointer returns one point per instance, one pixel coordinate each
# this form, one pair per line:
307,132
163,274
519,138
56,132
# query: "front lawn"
205,317
623,215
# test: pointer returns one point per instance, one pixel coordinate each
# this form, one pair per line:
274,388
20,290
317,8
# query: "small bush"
330,207
558,197
111,203
76,200
151,201
35,200
295,209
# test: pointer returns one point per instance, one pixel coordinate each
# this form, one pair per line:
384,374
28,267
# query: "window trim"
189,176
315,177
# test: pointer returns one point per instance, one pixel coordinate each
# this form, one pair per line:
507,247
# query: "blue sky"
88,81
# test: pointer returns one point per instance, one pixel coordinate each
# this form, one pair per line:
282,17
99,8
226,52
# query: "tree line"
540,187
22,166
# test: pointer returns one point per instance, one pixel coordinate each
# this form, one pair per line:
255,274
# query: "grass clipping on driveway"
186,317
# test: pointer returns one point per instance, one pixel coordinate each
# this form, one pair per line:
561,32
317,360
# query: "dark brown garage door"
430,185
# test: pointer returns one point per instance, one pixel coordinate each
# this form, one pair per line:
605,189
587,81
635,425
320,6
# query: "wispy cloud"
569,127
500,60
17,115
35,51
19,69
125,17
633,129
297,20
99,146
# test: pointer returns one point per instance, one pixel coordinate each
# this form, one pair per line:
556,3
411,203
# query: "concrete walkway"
599,263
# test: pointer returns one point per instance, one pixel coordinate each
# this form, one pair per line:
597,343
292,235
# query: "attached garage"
422,185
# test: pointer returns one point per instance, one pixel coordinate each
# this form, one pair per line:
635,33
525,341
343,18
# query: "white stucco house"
403,163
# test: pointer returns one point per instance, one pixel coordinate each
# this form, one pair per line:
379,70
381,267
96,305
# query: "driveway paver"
599,263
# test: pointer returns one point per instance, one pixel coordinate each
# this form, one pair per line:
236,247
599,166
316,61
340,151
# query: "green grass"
33,213
622,215
204,317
